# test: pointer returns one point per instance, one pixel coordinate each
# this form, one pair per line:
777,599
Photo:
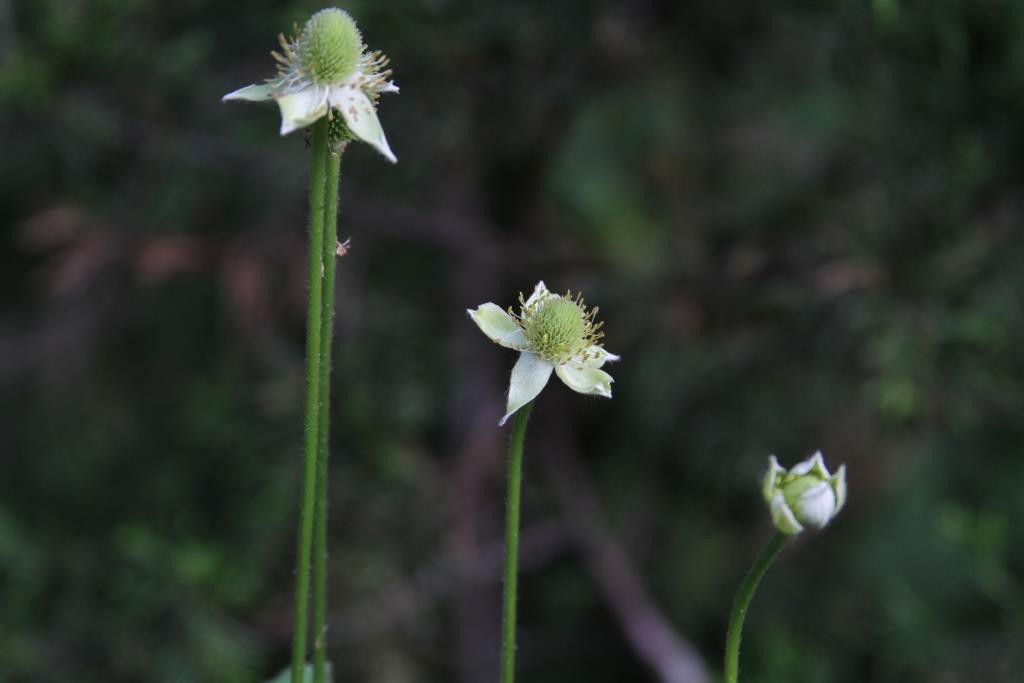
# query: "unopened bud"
805,495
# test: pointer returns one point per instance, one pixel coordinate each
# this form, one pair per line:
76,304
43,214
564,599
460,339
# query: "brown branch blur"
648,631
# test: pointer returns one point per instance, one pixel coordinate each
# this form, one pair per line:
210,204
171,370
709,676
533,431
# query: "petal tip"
251,93
385,149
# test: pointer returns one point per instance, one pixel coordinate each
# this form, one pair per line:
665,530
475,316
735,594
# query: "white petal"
783,517
585,379
596,356
499,326
770,478
839,487
817,505
819,465
529,376
815,463
538,291
251,93
361,117
302,108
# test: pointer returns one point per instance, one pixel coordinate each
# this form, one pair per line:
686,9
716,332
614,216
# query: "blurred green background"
802,223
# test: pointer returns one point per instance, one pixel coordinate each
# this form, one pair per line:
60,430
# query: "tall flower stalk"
553,334
741,605
513,496
314,340
327,80
801,497
330,239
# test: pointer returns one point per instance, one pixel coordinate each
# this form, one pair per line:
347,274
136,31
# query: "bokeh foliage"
801,220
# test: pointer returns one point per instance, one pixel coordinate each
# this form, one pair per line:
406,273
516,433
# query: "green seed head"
556,328
330,46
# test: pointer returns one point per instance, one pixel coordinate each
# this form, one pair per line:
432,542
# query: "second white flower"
553,333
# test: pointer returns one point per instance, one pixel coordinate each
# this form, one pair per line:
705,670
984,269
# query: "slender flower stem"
757,571
515,480
330,239
313,325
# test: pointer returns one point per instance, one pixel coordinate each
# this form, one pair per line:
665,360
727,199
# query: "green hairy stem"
515,480
330,239
757,571
312,435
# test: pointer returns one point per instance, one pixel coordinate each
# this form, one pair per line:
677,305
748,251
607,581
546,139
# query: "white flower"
804,496
551,332
323,71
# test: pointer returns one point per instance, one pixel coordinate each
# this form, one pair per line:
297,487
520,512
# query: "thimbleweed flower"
326,70
551,332
804,496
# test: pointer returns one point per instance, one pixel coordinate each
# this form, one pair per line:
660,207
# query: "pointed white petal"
538,291
585,379
783,517
251,93
301,108
839,487
596,356
529,376
499,326
361,118
771,478
819,465
815,463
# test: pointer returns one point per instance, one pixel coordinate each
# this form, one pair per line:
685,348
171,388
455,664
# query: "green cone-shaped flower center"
330,47
556,330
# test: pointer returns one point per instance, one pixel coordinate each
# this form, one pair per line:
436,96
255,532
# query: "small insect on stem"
343,247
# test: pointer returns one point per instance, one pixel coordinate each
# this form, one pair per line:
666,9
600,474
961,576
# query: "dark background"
801,221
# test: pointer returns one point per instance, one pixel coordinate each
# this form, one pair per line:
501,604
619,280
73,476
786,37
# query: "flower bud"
804,496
